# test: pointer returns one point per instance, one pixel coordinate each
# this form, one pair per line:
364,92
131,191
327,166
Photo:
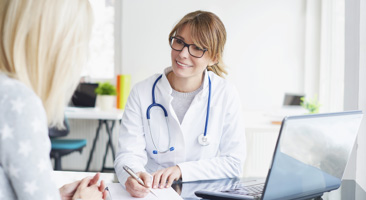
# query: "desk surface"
63,177
348,191
92,113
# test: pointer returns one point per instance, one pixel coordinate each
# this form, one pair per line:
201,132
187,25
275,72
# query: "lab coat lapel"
194,120
167,91
178,141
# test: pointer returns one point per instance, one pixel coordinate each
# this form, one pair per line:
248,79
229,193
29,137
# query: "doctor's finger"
146,178
134,185
156,179
138,194
135,189
164,178
171,178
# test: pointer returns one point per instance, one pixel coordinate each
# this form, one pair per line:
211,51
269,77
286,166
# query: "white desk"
347,191
93,113
103,117
64,177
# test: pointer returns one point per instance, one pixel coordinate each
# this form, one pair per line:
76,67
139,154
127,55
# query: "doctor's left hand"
165,177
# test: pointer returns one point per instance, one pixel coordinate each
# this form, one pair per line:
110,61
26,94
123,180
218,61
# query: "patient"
43,45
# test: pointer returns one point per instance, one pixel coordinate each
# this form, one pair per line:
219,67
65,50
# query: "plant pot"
106,102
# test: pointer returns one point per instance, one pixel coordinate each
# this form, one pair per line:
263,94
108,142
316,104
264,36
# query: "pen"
134,175
109,194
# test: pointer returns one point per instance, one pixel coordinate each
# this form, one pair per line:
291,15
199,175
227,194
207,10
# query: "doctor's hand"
165,177
135,188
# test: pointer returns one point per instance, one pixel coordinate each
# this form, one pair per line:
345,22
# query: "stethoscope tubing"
208,106
152,139
166,118
154,104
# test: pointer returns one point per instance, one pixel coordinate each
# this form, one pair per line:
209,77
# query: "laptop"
84,95
292,99
310,158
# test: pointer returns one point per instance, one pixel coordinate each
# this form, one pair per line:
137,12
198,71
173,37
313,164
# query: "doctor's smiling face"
197,42
183,63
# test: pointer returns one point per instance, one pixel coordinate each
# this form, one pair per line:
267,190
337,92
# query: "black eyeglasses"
178,45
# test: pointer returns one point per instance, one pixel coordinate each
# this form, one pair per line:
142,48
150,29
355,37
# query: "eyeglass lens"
178,45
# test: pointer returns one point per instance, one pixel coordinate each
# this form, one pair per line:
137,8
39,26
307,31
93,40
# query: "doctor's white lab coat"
222,158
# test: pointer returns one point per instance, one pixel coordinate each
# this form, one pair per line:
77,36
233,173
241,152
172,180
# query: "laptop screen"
311,154
84,95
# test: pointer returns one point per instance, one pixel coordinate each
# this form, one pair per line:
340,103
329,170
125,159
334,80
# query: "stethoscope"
203,139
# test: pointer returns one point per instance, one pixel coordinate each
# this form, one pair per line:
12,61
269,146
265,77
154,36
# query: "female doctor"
186,122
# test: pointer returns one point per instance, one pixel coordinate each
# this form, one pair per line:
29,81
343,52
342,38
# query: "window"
100,63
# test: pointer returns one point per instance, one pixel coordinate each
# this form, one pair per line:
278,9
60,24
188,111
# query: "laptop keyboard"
251,190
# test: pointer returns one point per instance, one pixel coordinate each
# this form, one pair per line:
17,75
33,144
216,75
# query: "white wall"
264,51
361,140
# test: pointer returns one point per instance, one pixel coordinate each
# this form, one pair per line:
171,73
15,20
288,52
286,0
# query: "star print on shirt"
37,125
17,105
13,171
30,187
6,132
43,165
24,148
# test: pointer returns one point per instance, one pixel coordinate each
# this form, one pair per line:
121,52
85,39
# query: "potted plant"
106,93
312,105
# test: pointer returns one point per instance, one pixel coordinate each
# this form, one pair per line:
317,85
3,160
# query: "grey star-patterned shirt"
25,166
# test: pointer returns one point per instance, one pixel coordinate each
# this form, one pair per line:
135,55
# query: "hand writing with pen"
139,185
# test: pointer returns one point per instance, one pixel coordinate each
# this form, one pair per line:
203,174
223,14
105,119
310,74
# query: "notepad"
117,192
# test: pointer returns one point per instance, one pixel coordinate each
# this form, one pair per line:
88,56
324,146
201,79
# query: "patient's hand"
165,177
86,191
83,188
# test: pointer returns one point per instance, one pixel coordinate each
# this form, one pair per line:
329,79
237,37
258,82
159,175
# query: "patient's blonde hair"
44,43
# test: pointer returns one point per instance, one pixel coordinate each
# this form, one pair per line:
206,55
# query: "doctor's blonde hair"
207,31
44,44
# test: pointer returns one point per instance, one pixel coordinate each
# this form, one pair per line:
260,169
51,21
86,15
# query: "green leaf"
105,89
312,105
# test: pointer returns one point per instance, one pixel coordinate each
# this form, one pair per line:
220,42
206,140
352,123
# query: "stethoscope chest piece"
203,140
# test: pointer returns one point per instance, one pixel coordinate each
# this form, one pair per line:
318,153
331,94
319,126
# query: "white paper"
117,192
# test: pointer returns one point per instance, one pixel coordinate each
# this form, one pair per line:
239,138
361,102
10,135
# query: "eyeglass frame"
185,45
